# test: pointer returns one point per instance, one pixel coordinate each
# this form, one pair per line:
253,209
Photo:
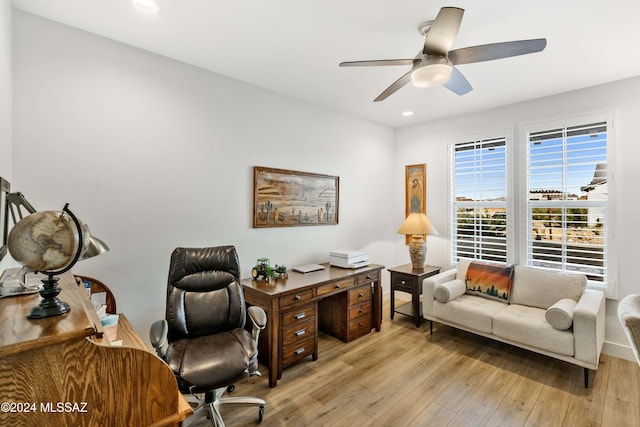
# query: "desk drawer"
335,286
359,295
368,278
359,327
299,332
295,352
296,298
297,315
360,310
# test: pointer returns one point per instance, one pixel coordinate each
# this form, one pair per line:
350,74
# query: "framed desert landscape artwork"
415,190
287,198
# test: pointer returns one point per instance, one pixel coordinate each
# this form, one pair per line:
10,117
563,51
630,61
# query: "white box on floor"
348,259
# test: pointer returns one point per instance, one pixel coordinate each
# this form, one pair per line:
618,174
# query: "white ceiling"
293,47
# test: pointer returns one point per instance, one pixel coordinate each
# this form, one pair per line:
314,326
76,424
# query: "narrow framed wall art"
415,190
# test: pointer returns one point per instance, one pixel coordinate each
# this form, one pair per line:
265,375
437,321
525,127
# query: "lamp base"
50,304
417,252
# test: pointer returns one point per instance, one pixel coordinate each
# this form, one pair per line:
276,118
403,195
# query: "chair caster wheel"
231,388
260,413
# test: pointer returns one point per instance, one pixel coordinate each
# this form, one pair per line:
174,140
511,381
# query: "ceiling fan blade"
443,31
458,83
377,63
489,52
394,87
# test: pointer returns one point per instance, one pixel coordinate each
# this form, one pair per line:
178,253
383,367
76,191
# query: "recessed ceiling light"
146,6
407,113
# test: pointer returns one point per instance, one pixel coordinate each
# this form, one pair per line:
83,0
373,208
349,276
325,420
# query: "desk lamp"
417,225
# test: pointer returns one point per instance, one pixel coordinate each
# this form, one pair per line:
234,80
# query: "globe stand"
50,304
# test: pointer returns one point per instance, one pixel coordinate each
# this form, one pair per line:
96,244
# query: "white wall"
428,143
153,154
5,99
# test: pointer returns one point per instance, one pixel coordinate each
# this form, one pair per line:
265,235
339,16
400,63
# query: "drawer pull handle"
299,316
360,295
361,310
297,298
299,351
403,283
370,277
300,332
338,286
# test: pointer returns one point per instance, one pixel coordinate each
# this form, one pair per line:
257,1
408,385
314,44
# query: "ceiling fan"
435,64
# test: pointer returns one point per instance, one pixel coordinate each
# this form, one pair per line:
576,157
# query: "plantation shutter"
567,199
479,207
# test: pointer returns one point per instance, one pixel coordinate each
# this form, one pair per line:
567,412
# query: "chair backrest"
629,315
97,286
204,294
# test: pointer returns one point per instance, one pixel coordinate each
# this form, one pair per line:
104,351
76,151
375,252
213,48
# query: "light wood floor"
402,376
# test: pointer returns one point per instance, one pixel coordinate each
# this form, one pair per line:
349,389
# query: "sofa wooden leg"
586,378
430,327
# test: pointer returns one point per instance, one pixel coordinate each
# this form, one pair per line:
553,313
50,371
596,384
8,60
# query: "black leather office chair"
207,346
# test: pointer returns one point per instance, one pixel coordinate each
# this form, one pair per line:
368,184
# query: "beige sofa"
547,312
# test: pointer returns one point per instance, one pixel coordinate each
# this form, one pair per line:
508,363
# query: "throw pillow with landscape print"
489,280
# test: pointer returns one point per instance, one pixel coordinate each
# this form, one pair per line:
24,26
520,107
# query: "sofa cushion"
528,326
489,280
470,311
543,288
444,292
560,314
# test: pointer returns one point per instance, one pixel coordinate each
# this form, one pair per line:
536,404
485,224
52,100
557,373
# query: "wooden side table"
404,278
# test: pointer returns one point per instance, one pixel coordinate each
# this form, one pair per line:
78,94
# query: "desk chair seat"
207,347
204,363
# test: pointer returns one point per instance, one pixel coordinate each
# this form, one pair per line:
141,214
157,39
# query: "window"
567,191
479,199
543,200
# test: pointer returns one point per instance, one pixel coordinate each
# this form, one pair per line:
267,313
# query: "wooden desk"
56,372
346,303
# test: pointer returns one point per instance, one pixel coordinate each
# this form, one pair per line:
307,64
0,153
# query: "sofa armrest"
429,284
588,326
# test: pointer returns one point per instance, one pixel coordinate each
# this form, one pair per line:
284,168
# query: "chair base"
210,408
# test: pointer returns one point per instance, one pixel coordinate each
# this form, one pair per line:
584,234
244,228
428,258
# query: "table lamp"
417,225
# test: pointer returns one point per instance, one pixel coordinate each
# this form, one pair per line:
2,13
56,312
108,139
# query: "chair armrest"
158,336
257,316
258,319
588,326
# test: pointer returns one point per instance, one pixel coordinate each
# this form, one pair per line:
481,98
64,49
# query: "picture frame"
288,198
415,190
5,187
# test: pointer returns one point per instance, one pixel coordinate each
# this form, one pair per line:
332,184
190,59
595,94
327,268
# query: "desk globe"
49,242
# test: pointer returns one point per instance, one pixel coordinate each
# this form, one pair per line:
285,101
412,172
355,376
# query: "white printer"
345,258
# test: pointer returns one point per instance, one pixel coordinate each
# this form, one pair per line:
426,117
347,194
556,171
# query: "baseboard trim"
618,350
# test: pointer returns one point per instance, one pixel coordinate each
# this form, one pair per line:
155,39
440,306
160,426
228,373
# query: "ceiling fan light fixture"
432,73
